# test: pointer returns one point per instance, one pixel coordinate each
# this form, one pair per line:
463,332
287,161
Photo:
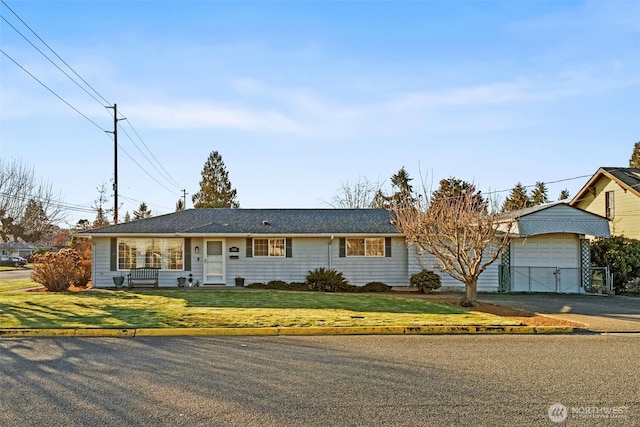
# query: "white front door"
214,271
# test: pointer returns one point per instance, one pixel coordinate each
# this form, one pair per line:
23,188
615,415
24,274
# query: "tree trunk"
470,294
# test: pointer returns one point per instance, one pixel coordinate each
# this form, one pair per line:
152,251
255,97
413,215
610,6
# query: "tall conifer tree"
215,187
142,212
539,195
517,199
634,161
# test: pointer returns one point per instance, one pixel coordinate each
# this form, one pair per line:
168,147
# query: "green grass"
209,308
17,284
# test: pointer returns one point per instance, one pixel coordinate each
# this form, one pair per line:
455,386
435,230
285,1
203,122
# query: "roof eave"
220,235
585,188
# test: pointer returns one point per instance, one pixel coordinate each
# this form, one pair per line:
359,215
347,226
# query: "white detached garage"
550,250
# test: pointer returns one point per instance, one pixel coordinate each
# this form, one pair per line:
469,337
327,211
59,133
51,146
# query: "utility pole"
115,161
184,198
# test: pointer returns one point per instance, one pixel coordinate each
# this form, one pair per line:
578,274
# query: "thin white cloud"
480,95
483,107
198,115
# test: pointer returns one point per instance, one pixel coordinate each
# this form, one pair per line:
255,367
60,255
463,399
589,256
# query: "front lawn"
226,308
17,284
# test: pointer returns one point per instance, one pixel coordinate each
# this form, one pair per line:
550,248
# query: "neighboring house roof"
557,217
18,246
627,178
245,222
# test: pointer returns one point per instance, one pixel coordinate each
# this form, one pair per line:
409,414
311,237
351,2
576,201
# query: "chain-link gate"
554,279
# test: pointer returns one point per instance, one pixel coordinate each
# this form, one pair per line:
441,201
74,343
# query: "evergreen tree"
34,223
215,187
142,212
538,195
634,161
564,195
179,205
403,190
380,201
454,188
517,199
127,217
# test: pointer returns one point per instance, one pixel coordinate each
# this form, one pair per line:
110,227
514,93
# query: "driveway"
600,313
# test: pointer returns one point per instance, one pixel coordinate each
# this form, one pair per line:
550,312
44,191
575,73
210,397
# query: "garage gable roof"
558,217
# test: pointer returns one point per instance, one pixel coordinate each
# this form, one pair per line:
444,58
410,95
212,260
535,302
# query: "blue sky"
301,96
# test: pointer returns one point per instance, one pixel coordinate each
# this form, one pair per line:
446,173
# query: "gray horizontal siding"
359,271
487,282
310,253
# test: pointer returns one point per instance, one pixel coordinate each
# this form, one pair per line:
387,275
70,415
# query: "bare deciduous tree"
463,235
356,195
19,189
99,204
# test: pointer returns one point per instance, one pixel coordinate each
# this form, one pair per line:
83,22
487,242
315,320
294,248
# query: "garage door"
547,263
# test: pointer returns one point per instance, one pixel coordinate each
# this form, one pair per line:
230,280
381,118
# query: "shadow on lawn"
40,314
308,300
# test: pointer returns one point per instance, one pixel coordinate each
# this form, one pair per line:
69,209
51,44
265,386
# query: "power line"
545,182
145,171
154,157
53,51
51,61
51,202
142,201
51,90
161,170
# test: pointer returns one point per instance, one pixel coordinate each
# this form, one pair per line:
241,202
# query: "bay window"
164,253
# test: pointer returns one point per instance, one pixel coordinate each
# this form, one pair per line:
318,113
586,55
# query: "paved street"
19,273
601,313
319,381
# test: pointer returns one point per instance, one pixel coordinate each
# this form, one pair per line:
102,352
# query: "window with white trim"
164,254
370,246
269,247
609,204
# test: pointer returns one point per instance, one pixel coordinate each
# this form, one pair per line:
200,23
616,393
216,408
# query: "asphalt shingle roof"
259,221
628,176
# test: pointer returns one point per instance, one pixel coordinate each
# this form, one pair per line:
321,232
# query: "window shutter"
249,247
387,247
114,254
289,248
343,247
187,254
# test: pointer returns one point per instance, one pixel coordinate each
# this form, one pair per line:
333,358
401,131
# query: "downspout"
329,251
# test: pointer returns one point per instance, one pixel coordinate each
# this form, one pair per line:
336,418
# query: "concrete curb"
366,330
